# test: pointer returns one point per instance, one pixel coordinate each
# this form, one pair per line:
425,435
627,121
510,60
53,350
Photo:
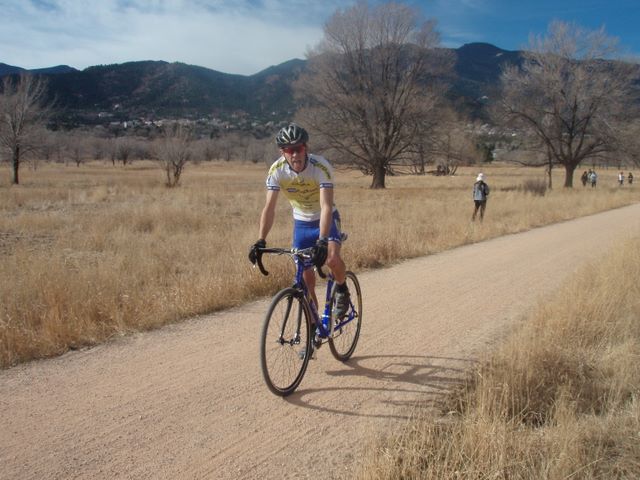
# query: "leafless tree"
570,93
174,152
205,149
365,89
123,150
629,141
23,111
450,144
98,148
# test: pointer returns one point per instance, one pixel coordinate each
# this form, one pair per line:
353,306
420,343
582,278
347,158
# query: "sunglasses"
292,150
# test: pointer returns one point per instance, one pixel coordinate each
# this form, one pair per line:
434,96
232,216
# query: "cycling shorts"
305,234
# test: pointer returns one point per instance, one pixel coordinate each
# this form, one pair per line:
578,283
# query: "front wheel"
347,330
286,342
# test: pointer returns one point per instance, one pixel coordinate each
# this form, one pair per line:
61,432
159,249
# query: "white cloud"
231,36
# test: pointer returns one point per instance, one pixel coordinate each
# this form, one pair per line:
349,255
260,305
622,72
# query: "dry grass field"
92,252
559,400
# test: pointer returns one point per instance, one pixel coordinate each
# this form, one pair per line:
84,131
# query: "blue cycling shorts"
305,234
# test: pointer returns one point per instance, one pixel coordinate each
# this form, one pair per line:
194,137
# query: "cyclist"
306,180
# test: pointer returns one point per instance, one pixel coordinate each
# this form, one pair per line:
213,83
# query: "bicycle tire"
282,359
344,339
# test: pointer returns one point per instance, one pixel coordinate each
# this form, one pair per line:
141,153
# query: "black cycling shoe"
342,303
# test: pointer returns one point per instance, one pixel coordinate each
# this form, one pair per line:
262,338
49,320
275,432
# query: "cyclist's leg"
334,260
338,268
345,337
305,235
310,279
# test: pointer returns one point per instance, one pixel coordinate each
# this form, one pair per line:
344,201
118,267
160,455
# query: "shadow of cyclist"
420,378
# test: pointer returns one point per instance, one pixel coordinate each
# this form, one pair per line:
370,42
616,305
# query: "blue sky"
246,36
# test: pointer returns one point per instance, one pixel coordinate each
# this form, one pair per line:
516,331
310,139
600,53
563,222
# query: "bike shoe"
342,303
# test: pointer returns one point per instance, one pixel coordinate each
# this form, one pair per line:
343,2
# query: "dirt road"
188,401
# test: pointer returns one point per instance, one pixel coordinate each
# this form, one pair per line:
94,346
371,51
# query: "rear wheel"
345,338
285,346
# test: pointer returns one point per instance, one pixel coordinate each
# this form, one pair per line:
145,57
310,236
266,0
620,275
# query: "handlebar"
301,255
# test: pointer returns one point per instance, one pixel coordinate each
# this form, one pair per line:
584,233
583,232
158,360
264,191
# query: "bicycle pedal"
302,353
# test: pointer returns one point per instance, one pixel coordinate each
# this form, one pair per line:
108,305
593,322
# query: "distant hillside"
11,70
157,88
175,89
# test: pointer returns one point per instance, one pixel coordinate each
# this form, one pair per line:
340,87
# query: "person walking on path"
593,179
480,194
621,179
630,178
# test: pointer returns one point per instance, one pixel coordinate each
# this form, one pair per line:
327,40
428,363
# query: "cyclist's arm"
326,211
268,214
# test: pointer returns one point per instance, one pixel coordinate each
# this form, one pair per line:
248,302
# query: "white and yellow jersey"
302,189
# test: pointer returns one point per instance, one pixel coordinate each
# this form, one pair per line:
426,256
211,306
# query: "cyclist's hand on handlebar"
320,252
255,249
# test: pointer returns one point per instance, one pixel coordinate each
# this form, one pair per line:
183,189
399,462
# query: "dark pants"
479,205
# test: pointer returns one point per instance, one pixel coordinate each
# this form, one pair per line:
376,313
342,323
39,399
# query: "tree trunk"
379,173
568,175
16,164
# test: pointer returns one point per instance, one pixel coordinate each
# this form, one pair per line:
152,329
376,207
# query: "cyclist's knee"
334,261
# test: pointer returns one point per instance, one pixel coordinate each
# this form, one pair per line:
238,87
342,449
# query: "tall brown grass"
559,400
98,251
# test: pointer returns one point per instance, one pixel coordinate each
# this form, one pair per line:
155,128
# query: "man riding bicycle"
306,180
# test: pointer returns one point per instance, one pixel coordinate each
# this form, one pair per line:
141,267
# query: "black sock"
342,287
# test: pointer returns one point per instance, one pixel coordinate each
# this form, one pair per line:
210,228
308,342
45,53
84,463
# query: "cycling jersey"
302,189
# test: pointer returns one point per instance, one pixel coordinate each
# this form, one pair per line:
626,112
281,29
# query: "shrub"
535,187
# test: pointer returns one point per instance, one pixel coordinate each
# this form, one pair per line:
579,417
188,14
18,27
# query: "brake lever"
259,262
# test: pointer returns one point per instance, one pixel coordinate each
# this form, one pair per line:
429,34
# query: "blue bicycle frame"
324,328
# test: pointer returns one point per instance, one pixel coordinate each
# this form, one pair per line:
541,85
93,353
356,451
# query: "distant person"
593,178
584,178
480,194
621,179
630,178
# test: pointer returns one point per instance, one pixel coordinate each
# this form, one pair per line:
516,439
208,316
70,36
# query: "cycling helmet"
291,135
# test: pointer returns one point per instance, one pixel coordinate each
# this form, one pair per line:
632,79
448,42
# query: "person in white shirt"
306,180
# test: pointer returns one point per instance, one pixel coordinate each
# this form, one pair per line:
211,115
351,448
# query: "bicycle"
287,340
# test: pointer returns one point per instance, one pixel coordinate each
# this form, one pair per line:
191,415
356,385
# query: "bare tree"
365,86
123,150
629,141
23,111
174,152
570,94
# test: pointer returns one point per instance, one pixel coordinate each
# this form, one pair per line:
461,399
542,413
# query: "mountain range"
158,88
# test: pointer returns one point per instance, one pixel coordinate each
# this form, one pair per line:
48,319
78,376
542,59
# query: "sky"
247,36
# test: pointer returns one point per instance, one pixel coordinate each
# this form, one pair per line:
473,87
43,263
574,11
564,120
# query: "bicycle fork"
295,340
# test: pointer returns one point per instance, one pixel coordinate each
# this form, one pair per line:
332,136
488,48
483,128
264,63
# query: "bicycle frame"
302,260
291,314
324,325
